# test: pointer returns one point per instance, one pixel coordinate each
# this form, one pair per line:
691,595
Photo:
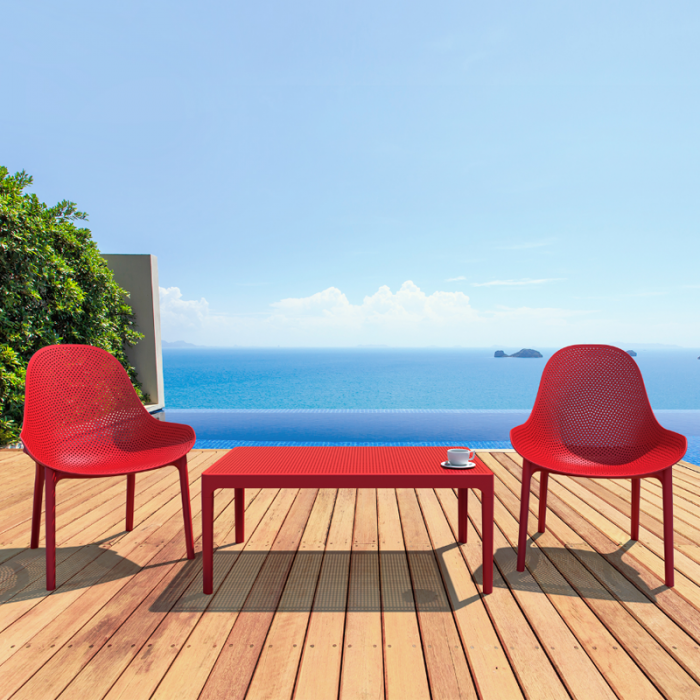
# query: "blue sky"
402,173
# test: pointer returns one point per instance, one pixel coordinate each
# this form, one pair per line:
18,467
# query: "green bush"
54,288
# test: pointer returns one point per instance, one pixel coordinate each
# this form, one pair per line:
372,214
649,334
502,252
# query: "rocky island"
525,352
631,353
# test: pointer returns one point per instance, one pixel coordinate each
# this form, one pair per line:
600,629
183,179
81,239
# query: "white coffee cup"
460,456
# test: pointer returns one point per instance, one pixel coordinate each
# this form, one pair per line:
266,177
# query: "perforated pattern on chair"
592,417
82,416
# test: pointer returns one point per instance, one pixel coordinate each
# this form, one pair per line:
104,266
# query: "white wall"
138,275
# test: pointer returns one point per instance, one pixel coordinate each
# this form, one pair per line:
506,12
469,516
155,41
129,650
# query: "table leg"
240,515
487,537
463,514
208,537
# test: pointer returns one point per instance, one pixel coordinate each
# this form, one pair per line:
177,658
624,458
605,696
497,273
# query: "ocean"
383,378
359,396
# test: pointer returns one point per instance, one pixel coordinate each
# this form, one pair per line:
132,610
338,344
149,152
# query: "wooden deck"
350,594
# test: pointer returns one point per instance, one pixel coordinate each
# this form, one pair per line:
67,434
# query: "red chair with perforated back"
83,419
592,418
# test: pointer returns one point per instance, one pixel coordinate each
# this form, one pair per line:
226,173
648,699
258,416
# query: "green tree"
54,288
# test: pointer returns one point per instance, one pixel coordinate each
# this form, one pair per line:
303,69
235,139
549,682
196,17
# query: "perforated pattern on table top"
592,416
82,415
337,460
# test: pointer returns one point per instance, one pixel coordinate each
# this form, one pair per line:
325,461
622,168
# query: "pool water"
480,429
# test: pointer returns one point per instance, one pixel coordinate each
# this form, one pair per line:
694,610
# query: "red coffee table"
342,467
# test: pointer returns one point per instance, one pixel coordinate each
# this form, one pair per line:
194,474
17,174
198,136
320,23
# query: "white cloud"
409,305
408,317
177,312
516,283
455,279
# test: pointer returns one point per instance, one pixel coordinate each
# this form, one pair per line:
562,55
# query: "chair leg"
36,509
130,495
544,483
667,494
181,464
51,480
524,512
636,497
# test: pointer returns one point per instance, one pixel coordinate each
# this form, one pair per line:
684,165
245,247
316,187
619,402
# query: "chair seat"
605,462
123,448
117,462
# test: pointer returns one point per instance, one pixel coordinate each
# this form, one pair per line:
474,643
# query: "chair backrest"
594,395
78,395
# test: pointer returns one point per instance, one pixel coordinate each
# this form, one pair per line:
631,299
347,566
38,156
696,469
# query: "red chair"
592,418
83,419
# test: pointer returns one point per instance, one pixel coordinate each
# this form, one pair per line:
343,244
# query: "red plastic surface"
82,418
592,418
335,466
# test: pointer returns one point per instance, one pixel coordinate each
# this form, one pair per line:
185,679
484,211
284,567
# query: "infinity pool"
481,429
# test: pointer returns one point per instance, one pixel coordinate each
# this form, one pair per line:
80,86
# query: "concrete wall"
138,274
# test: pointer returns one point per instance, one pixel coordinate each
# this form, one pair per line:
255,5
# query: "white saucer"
468,465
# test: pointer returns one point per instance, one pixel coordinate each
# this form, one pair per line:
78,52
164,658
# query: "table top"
336,463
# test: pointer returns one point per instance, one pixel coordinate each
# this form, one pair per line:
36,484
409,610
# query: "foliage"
54,288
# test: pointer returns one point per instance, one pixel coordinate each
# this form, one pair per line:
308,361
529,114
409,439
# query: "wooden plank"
445,659
491,669
29,658
14,514
57,672
74,494
689,471
155,654
613,492
362,674
94,560
405,675
648,551
667,639
575,558
319,670
97,527
581,678
234,668
531,665
651,488
25,576
685,535
613,638
189,671
107,663
575,667
590,540
16,465
33,558
79,530
76,506
80,596
69,510
278,664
